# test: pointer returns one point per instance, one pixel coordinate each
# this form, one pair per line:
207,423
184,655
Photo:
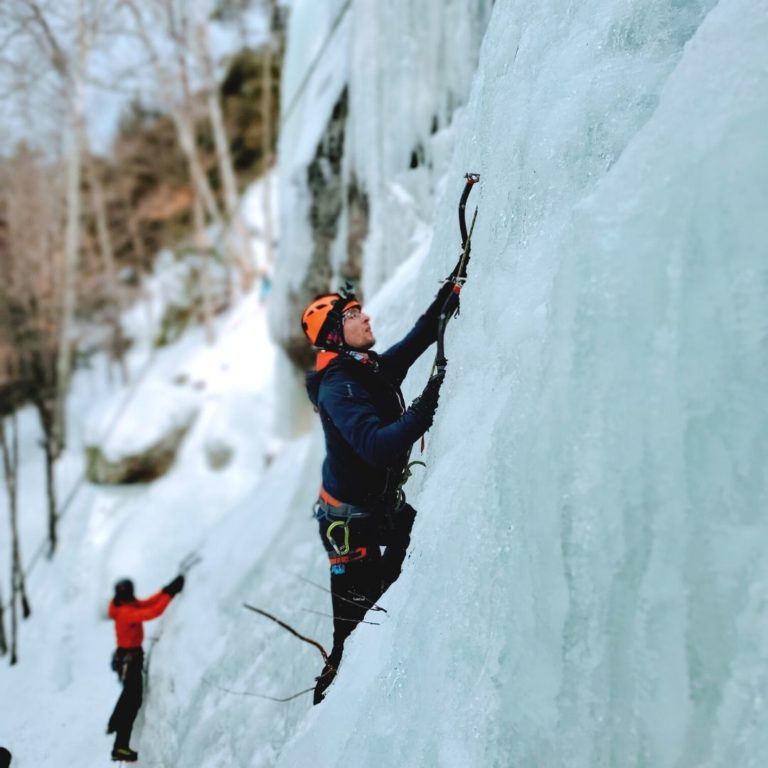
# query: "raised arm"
145,610
354,415
401,356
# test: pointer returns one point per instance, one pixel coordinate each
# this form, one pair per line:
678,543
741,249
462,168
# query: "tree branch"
58,58
289,628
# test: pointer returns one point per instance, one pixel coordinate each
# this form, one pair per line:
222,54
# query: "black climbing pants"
377,547
129,663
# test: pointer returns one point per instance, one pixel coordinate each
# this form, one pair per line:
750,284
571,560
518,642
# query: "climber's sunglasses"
351,314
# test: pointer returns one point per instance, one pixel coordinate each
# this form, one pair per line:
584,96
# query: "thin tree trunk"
72,240
110,273
14,619
18,588
63,368
11,470
3,639
71,67
266,108
137,244
224,159
204,248
185,132
51,450
50,489
182,113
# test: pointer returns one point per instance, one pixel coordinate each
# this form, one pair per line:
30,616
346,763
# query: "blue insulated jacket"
368,431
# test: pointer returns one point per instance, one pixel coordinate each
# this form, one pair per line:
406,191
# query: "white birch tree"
224,157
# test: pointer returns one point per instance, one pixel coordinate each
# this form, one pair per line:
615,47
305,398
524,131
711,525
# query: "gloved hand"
426,403
446,289
175,586
447,299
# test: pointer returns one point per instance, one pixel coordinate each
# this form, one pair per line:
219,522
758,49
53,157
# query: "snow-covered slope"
588,578
53,704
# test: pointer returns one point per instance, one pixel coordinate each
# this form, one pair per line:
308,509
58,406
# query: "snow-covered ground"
588,578
63,679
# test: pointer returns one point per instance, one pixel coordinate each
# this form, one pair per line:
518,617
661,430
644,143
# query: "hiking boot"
323,681
328,674
124,755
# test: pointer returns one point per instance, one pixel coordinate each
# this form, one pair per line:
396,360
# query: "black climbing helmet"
124,592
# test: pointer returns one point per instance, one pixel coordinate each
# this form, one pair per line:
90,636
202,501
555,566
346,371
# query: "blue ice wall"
589,584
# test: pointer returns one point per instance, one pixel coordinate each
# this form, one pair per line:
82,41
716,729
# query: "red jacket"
128,618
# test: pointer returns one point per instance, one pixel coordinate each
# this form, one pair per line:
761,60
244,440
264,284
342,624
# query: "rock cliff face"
326,187
362,146
338,207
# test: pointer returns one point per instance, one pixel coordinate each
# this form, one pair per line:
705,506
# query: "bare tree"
6,371
30,297
54,38
71,69
266,109
174,85
224,157
9,446
191,60
3,639
116,305
203,246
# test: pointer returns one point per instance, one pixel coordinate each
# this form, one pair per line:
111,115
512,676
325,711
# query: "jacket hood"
314,378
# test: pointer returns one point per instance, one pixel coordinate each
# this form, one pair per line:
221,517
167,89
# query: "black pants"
129,664
359,578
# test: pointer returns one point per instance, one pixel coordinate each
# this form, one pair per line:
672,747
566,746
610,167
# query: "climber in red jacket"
128,613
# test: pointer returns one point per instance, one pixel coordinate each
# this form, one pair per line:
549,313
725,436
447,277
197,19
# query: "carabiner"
343,550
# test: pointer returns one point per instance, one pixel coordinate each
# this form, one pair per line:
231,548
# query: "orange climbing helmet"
322,319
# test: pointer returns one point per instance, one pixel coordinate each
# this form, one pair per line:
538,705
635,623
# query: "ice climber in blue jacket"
363,518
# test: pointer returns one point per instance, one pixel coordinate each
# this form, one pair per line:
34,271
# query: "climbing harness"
338,514
355,554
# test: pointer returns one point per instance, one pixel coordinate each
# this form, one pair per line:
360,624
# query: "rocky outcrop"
138,441
153,462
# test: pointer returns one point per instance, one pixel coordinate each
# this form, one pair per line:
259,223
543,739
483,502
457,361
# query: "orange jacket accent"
331,501
128,618
324,358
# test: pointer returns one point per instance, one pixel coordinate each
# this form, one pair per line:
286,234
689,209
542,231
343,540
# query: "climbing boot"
124,755
327,675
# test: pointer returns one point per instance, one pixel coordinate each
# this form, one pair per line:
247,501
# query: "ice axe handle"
188,563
